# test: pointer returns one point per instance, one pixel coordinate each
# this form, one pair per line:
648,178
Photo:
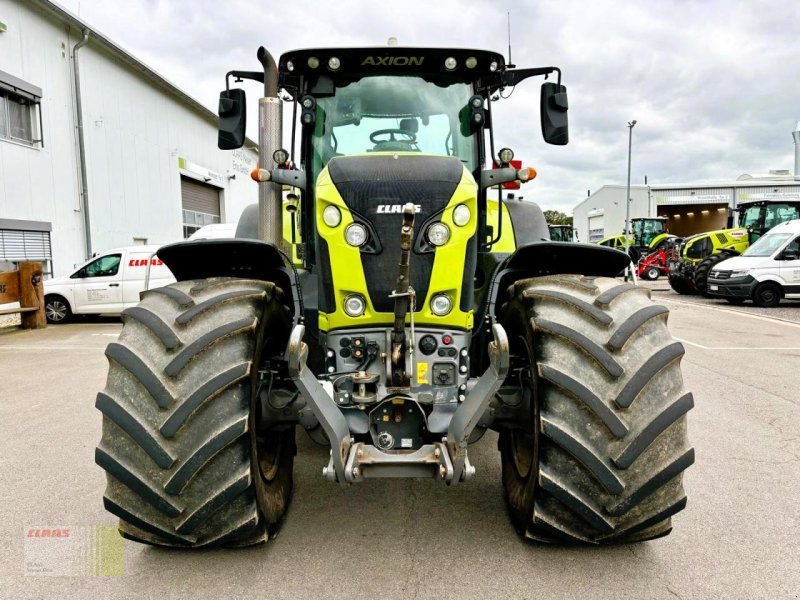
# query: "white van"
766,272
107,284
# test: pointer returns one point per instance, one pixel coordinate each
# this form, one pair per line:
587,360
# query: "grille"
720,275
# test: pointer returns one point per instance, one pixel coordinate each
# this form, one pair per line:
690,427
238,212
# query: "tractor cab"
563,233
648,232
760,216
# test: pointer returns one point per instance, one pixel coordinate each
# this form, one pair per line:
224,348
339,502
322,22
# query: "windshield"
767,245
645,230
393,114
773,214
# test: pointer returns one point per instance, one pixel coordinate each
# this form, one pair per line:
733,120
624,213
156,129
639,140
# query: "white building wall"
135,134
609,202
41,184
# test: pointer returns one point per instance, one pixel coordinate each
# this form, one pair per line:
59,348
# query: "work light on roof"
334,63
471,62
313,62
450,63
493,66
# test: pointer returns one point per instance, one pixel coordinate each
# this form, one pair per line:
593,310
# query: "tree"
556,217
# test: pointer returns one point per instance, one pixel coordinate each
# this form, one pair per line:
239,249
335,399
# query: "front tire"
681,285
184,465
56,310
767,295
703,269
600,457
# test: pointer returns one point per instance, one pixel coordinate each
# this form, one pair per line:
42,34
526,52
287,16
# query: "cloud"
712,83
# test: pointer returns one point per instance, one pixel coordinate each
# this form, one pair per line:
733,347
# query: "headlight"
740,273
355,234
280,156
334,63
438,234
506,155
441,305
331,216
450,63
461,215
354,305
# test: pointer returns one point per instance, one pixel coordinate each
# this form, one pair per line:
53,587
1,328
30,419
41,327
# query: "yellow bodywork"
448,266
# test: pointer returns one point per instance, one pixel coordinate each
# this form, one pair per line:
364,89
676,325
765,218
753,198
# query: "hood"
742,262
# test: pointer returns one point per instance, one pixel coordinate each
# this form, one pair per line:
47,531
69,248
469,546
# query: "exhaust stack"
796,137
270,131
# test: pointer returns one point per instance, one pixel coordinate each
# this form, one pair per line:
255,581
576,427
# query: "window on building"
596,235
19,119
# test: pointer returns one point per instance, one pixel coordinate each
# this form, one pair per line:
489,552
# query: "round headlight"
290,65
281,156
354,305
450,63
331,216
355,234
493,66
471,62
438,234
441,305
313,62
506,155
461,215
334,63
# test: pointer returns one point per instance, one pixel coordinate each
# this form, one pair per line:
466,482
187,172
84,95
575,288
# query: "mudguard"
241,258
553,258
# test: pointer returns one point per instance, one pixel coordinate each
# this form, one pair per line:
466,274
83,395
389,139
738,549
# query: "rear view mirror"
553,108
232,119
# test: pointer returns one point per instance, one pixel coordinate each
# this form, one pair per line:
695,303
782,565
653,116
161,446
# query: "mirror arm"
513,77
239,75
493,177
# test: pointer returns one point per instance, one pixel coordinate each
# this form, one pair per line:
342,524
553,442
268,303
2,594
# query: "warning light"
446,339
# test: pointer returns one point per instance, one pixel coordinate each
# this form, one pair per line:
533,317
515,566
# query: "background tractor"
422,313
563,233
648,234
692,259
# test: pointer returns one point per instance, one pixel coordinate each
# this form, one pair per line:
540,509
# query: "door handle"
113,285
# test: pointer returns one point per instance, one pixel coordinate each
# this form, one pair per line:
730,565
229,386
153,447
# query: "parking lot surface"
738,538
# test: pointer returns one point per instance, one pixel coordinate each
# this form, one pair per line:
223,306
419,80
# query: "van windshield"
767,245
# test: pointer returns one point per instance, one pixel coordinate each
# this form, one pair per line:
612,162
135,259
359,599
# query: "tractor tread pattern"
155,324
175,442
128,360
581,392
603,357
140,433
612,415
584,307
633,323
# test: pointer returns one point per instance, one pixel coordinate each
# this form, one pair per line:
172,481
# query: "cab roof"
350,64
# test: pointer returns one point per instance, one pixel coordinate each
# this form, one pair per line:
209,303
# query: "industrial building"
97,150
689,207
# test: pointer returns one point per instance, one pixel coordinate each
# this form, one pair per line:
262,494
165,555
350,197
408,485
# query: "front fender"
554,258
240,258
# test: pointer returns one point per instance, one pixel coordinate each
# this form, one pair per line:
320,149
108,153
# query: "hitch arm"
399,377
471,410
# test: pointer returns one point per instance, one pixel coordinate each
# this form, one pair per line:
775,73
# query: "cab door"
790,269
98,286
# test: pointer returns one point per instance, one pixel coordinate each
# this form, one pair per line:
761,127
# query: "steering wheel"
411,138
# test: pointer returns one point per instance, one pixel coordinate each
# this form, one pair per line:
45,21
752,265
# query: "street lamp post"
628,190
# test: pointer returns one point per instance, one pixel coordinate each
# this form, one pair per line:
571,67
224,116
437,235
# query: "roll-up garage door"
596,228
200,204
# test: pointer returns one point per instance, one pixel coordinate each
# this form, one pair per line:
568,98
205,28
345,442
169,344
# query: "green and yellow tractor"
693,258
647,235
423,313
563,233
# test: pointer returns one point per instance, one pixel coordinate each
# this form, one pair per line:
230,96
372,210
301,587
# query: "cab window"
793,248
105,266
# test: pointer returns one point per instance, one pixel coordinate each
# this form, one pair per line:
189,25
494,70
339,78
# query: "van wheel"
767,294
57,310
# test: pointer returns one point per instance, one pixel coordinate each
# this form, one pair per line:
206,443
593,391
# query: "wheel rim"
653,273
767,295
56,310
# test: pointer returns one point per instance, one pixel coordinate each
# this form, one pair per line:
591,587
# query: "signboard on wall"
694,199
769,196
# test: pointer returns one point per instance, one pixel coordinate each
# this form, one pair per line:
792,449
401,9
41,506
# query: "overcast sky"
714,85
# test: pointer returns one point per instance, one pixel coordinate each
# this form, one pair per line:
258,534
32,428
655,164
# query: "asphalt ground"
738,537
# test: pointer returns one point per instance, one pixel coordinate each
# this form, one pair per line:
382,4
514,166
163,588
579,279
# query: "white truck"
106,284
766,272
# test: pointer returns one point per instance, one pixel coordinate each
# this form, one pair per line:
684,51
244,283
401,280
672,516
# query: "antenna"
510,65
